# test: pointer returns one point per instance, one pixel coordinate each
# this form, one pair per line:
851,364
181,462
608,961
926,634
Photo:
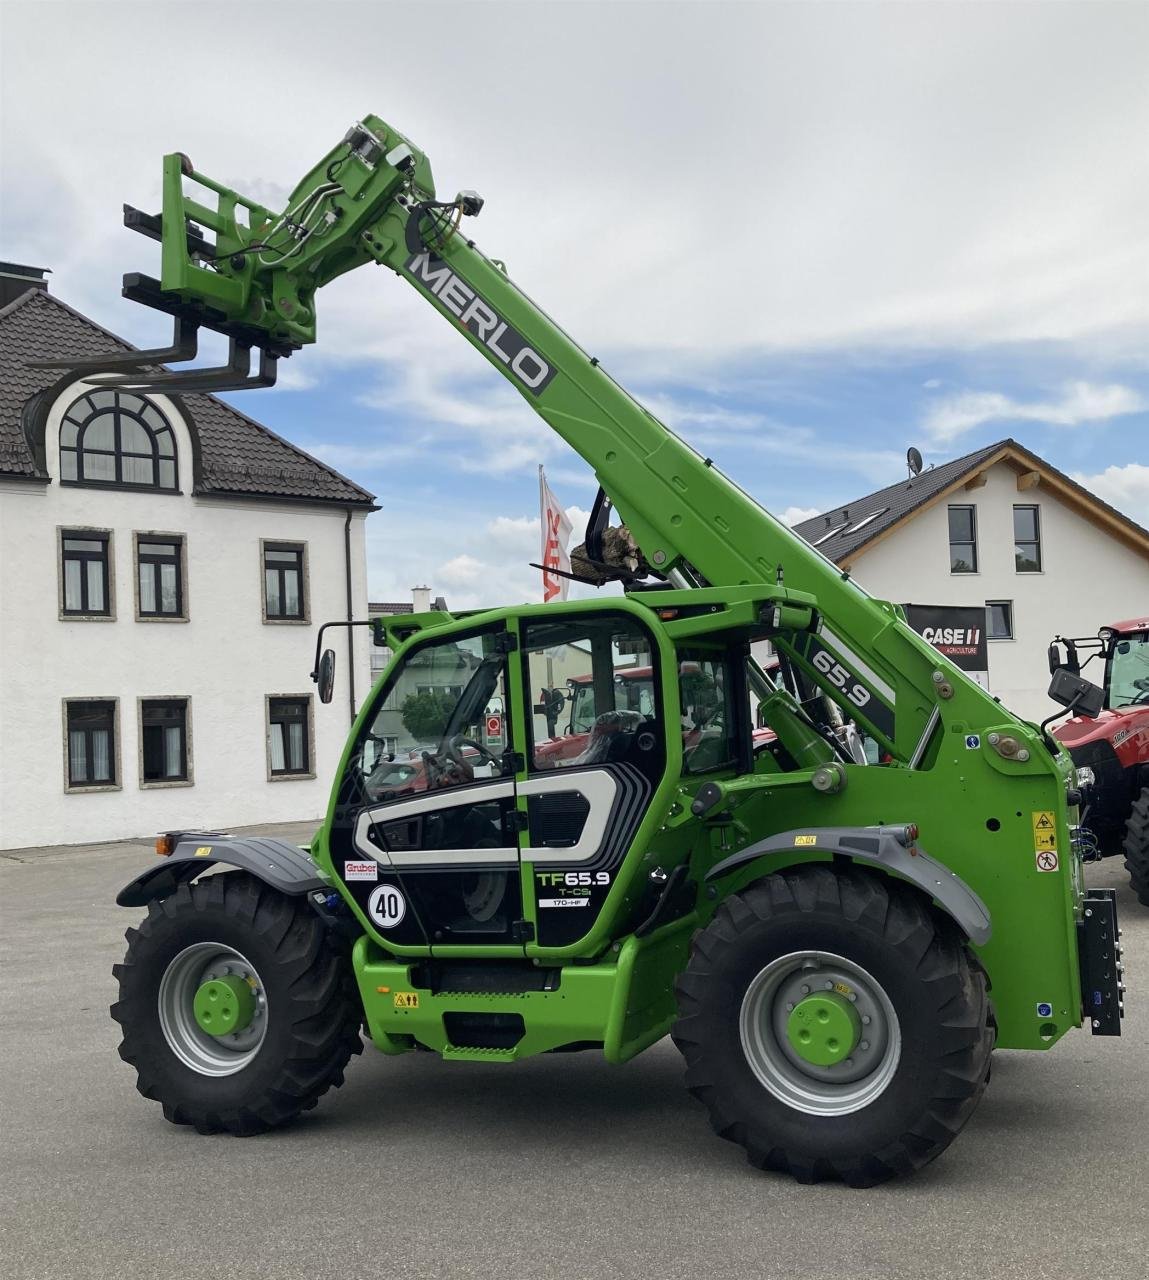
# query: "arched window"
114,437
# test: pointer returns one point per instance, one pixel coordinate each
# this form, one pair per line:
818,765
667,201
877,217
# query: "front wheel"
834,1026
1136,846
238,1008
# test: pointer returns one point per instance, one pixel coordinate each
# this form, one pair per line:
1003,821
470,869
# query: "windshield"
446,701
1129,671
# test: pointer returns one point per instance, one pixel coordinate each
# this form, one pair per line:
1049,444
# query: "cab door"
595,754
426,834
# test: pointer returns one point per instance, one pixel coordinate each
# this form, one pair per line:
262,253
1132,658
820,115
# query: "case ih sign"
957,631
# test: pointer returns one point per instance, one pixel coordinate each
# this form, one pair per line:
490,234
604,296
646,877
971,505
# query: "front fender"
284,866
885,847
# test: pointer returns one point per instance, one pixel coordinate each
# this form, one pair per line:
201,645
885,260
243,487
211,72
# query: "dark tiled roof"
894,503
853,531
376,609
238,455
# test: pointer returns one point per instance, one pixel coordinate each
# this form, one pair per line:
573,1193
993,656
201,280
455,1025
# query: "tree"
425,715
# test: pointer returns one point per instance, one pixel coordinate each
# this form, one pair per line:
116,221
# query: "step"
463,1053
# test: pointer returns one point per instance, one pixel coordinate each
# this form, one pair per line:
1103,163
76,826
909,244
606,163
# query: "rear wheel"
1136,846
834,1026
238,1009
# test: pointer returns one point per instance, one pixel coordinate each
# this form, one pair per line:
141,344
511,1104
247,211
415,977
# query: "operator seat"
610,738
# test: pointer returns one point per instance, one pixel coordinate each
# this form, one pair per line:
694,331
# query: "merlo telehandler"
819,935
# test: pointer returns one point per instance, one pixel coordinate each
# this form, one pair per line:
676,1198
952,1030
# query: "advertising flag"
556,534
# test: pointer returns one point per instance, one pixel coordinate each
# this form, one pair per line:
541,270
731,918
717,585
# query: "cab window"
710,724
440,721
594,696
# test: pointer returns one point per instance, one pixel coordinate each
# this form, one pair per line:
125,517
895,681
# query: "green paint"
824,1028
682,512
224,1005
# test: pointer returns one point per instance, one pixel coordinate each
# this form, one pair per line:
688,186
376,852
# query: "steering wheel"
456,744
450,767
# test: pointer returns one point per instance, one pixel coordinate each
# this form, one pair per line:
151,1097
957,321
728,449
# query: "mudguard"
888,848
284,866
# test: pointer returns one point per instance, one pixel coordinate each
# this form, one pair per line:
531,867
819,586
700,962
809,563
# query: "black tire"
934,985
1136,847
312,1005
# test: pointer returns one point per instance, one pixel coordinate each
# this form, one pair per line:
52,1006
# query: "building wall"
1088,579
225,658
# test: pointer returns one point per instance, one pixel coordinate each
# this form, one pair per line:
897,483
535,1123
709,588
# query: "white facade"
1088,578
226,659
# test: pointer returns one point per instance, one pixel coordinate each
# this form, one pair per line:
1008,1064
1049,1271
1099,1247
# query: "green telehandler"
819,935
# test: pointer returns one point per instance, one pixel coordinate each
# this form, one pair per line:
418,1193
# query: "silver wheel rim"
819,1091
206,1054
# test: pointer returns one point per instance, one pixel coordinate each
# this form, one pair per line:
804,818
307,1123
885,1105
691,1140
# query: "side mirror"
325,676
1075,694
1054,658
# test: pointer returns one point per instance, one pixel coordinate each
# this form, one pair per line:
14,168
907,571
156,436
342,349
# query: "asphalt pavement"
557,1166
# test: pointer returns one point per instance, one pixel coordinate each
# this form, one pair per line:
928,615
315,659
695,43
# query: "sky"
805,235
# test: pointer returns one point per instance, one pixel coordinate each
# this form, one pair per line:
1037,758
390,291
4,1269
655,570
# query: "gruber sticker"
1044,829
386,906
564,902
406,999
360,871
1047,859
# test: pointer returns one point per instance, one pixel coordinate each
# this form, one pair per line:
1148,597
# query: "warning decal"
406,999
1046,859
1044,829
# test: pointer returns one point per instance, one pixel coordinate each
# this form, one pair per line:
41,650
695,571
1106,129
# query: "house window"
116,438
85,561
163,740
963,539
289,736
999,619
159,575
91,743
283,583
1027,539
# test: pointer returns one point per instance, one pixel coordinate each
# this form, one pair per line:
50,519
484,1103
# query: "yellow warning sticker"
1044,829
842,989
800,840
204,851
406,999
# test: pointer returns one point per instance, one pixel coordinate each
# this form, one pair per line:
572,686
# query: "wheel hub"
213,1009
820,1033
224,1005
824,1029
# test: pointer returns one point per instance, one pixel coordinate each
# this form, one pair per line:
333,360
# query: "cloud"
795,515
985,202
1077,403
484,564
1126,488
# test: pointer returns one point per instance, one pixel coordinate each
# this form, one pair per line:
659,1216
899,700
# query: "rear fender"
283,866
886,848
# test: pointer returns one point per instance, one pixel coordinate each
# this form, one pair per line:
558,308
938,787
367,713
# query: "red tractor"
1115,745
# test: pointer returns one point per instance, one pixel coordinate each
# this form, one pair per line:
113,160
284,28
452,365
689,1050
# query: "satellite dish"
914,461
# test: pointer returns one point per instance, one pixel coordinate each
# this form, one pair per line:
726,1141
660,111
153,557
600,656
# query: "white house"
165,562
1001,529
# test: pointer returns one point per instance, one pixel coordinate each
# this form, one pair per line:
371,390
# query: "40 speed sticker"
386,906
